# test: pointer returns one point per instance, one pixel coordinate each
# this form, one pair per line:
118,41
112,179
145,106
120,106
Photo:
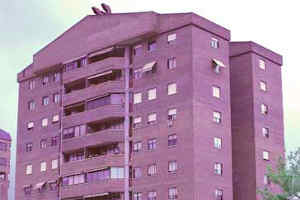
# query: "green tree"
287,177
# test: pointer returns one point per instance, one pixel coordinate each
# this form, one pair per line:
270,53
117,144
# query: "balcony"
98,109
88,190
93,157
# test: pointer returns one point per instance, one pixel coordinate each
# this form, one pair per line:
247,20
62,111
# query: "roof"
4,135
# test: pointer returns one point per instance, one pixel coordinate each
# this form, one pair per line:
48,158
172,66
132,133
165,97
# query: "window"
73,180
266,155
28,169
172,140
54,164
172,193
151,118
55,118
83,61
56,98
116,172
172,88
137,98
138,50
152,170
262,65
137,146
76,131
43,144
219,194
152,45
172,38
44,122
56,77
218,168
137,172
31,84
152,94
31,105
54,141
217,143
214,43
267,180
28,147
265,132
45,101
172,114
27,189
172,63
151,144
45,80
264,109
172,166
2,176
216,91
53,185
137,196
217,117
3,147
137,122
152,195
3,161
263,86
43,166
30,125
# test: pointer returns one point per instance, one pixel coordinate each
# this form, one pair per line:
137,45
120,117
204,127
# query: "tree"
287,177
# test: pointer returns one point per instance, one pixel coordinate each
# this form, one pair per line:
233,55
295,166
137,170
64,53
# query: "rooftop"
4,135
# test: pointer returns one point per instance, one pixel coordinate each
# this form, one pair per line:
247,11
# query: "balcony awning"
103,51
101,74
74,59
149,66
218,63
97,195
97,169
39,186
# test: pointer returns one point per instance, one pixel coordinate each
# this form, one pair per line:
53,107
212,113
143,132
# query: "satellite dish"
97,11
106,8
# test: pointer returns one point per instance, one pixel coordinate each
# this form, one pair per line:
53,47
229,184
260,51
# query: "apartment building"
132,106
5,141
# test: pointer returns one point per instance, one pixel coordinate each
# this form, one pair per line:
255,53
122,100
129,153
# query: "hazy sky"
27,26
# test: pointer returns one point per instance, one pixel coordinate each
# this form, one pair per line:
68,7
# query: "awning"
103,51
101,74
171,37
39,186
97,169
97,195
148,67
218,63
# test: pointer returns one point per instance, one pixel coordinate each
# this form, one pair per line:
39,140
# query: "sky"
27,26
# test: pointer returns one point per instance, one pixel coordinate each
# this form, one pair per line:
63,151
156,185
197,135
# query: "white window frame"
214,43
217,117
263,86
172,37
28,169
262,64
55,118
152,94
172,166
137,146
264,109
152,170
43,166
218,168
218,143
216,91
54,164
266,132
30,125
137,98
44,122
266,155
152,117
172,63
172,88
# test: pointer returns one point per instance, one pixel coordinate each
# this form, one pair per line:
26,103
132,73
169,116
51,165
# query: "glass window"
262,65
56,77
151,144
54,164
28,169
31,105
45,80
137,196
138,50
152,170
151,118
173,166
3,161
137,121
117,172
32,84
172,88
172,63
219,194
152,94
217,143
152,45
217,117
172,114
171,38
267,180
28,147
30,125
55,118
218,168
265,132
263,86
137,146
172,193
216,91
56,98
265,155
152,195
137,98
43,166
45,101
44,122
172,140
264,109
3,147
214,43
43,143
137,172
